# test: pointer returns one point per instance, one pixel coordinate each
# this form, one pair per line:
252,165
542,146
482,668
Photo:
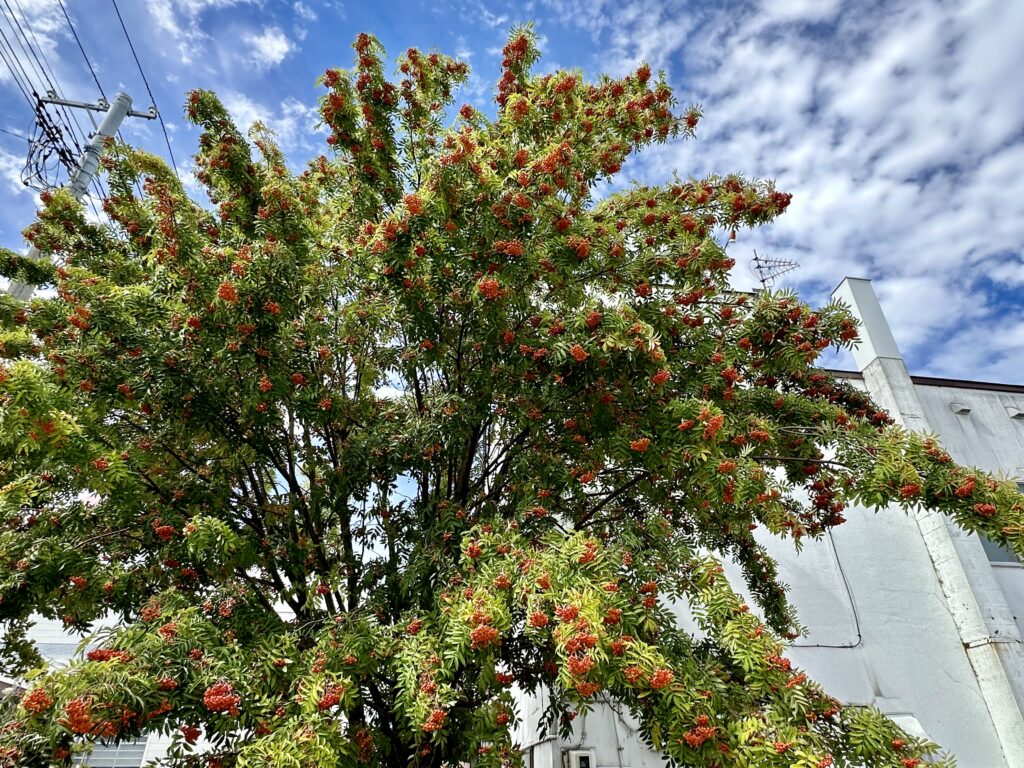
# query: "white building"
905,612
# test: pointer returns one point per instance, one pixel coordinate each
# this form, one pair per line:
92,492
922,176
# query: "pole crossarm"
88,163
102,105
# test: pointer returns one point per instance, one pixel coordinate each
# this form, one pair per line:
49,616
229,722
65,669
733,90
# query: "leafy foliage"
350,453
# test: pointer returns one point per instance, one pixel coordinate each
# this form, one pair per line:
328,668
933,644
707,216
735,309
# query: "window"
997,553
126,755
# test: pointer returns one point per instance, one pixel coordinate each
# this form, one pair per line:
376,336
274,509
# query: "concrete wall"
978,427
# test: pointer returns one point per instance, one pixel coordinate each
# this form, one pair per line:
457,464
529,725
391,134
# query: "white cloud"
303,11
893,126
293,122
181,20
269,48
492,20
773,11
10,172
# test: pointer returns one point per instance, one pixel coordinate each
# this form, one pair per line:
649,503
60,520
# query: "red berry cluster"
490,289
221,697
436,721
661,678
106,654
79,716
567,613
509,247
483,636
165,532
580,665
331,696
36,701
227,292
697,736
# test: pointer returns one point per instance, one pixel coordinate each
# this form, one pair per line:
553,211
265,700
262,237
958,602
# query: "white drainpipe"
995,660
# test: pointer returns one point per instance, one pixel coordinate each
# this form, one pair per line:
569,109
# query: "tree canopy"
349,456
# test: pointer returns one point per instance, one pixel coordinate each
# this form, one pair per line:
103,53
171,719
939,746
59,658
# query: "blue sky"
896,125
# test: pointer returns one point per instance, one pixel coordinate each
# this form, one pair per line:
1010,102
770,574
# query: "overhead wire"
850,599
39,46
29,52
25,83
51,139
15,135
72,119
15,79
51,146
44,67
97,182
88,63
152,98
39,72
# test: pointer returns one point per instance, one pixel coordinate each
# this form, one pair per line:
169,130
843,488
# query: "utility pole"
89,163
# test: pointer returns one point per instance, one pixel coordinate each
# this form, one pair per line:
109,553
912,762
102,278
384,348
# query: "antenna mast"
769,270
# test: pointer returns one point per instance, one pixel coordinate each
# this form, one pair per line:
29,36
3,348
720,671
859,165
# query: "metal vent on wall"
582,758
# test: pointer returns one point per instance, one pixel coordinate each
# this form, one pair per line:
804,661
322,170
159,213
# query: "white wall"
909,659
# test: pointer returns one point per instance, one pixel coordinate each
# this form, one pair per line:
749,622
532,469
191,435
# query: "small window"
997,553
126,755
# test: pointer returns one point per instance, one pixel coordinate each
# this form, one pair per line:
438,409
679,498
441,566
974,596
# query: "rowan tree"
350,455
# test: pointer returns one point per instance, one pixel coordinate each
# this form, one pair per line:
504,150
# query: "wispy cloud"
293,122
304,12
10,173
182,21
889,122
893,122
492,20
268,48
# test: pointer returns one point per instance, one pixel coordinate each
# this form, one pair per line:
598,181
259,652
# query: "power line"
29,51
71,119
77,40
31,31
152,98
25,84
14,78
48,144
15,135
52,132
44,66
40,72
853,606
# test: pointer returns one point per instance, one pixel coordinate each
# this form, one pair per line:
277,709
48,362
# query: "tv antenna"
769,270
